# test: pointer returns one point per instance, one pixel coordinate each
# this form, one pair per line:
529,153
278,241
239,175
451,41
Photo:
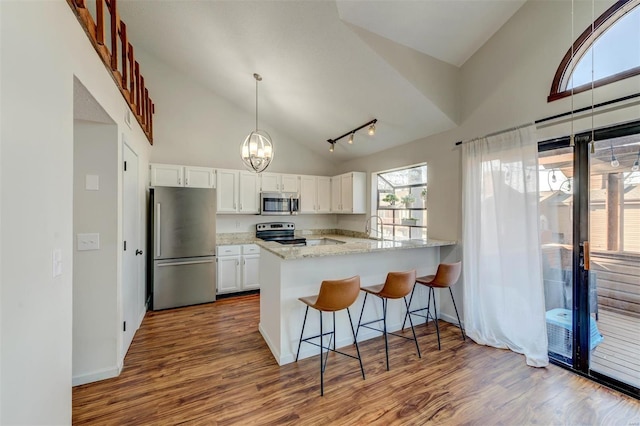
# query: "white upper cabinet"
249,193
270,182
179,176
348,193
227,193
324,194
237,191
275,182
166,175
290,183
199,177
336,194
315,194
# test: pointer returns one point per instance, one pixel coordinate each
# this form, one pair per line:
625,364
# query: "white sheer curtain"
503,290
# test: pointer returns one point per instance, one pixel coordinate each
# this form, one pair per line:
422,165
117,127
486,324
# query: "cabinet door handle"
237,262
179,181
240,206
186,182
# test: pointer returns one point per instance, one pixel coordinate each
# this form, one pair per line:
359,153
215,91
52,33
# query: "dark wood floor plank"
208,365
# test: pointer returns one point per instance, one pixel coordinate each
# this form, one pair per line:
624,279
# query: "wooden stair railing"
124,69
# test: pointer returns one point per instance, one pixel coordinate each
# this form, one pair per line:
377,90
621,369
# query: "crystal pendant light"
257,149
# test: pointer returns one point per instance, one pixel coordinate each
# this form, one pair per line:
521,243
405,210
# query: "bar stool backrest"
447,274
398,284
336,295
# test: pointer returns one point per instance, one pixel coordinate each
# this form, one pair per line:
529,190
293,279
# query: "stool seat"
334,295
397,286
446,275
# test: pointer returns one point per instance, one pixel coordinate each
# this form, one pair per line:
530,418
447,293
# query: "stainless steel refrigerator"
182,231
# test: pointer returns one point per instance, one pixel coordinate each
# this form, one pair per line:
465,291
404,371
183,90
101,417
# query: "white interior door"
131,257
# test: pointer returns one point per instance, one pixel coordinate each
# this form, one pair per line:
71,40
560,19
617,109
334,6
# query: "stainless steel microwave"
279,203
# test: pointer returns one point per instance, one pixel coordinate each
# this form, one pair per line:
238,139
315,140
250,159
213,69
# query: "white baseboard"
274,351
96,376
450,319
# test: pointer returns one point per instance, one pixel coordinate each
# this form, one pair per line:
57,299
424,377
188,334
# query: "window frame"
381,208
582,45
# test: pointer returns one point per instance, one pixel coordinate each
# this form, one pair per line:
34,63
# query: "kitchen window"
402,202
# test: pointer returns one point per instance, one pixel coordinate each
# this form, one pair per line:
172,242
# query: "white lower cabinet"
237,268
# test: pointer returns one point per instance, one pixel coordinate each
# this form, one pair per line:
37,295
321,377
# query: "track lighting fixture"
636,164
614,160
352,133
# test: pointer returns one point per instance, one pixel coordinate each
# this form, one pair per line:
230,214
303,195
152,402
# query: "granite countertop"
236,238
351,245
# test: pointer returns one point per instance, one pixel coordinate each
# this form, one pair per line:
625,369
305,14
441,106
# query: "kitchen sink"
323,242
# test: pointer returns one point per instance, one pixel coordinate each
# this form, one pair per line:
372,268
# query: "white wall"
95,307
194,126
43,47
505,84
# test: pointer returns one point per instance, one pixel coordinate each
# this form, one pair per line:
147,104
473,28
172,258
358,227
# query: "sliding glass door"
614,235
590,236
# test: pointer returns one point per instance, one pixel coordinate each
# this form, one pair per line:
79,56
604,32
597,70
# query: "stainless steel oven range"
280,232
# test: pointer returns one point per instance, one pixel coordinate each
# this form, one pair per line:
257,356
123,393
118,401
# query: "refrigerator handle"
158,229
195,262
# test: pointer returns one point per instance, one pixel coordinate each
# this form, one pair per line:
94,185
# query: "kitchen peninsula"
287,273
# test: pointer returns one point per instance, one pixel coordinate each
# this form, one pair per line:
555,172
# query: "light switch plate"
92,182
57,262
88,242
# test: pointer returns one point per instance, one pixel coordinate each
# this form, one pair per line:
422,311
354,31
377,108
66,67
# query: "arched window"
612,47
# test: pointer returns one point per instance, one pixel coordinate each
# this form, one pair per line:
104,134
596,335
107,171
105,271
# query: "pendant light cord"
593,55
572,136
256,77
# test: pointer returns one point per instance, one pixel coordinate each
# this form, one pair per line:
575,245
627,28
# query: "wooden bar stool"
335,295
396,286
446,275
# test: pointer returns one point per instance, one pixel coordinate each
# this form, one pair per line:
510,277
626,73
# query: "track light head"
372,129
331,147
351,138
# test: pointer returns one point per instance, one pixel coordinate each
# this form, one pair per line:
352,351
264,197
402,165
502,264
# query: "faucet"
367,226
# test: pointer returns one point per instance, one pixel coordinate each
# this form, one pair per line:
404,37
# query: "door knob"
138,252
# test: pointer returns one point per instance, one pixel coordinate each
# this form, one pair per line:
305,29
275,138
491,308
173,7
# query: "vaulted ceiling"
327,66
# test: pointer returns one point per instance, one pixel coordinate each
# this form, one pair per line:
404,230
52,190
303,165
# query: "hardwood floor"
208,364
